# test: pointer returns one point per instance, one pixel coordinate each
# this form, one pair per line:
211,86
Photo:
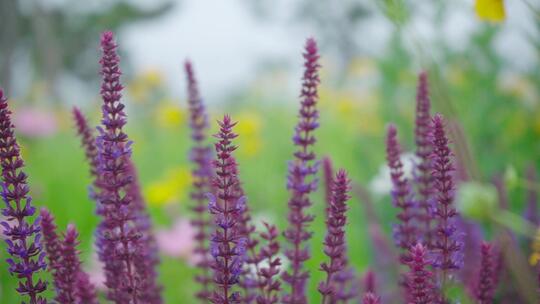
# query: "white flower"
381,184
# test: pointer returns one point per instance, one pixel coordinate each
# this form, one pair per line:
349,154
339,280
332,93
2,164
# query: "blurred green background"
484,73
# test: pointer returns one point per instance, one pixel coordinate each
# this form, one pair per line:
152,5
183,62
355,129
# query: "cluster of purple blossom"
237,263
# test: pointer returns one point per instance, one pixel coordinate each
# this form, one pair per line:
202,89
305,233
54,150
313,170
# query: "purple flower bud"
22,235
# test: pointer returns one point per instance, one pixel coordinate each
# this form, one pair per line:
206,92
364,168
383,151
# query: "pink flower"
34,122
178,241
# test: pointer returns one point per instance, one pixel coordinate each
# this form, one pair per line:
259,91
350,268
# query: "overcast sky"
225,41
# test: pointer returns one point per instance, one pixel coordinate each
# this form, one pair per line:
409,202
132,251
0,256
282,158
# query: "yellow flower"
160,193
490,10
456,75
249,131
143,85
152,78
536,123
363,67
170,189
169,115
521,87
359,112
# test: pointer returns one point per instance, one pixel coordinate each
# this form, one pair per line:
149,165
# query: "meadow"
491,116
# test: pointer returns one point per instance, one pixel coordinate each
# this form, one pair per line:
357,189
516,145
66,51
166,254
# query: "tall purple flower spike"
228,246
201,156
22,234
148,258
485,288
302,181
271,285
405,231
446,245
422,169
118,239
334,242
419,280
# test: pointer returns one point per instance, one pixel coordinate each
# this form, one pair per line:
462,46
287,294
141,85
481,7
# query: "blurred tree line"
50,38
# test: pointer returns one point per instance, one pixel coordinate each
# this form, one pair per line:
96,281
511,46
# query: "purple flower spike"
405,231
72,284
334,242
228,246
118,239
52,244
201,156
422,169
147,259
88,140
301,181
371,298
86,291
21,233
69,268
271,286
328,174
446,246
343,281
485,287
251,279
419,280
